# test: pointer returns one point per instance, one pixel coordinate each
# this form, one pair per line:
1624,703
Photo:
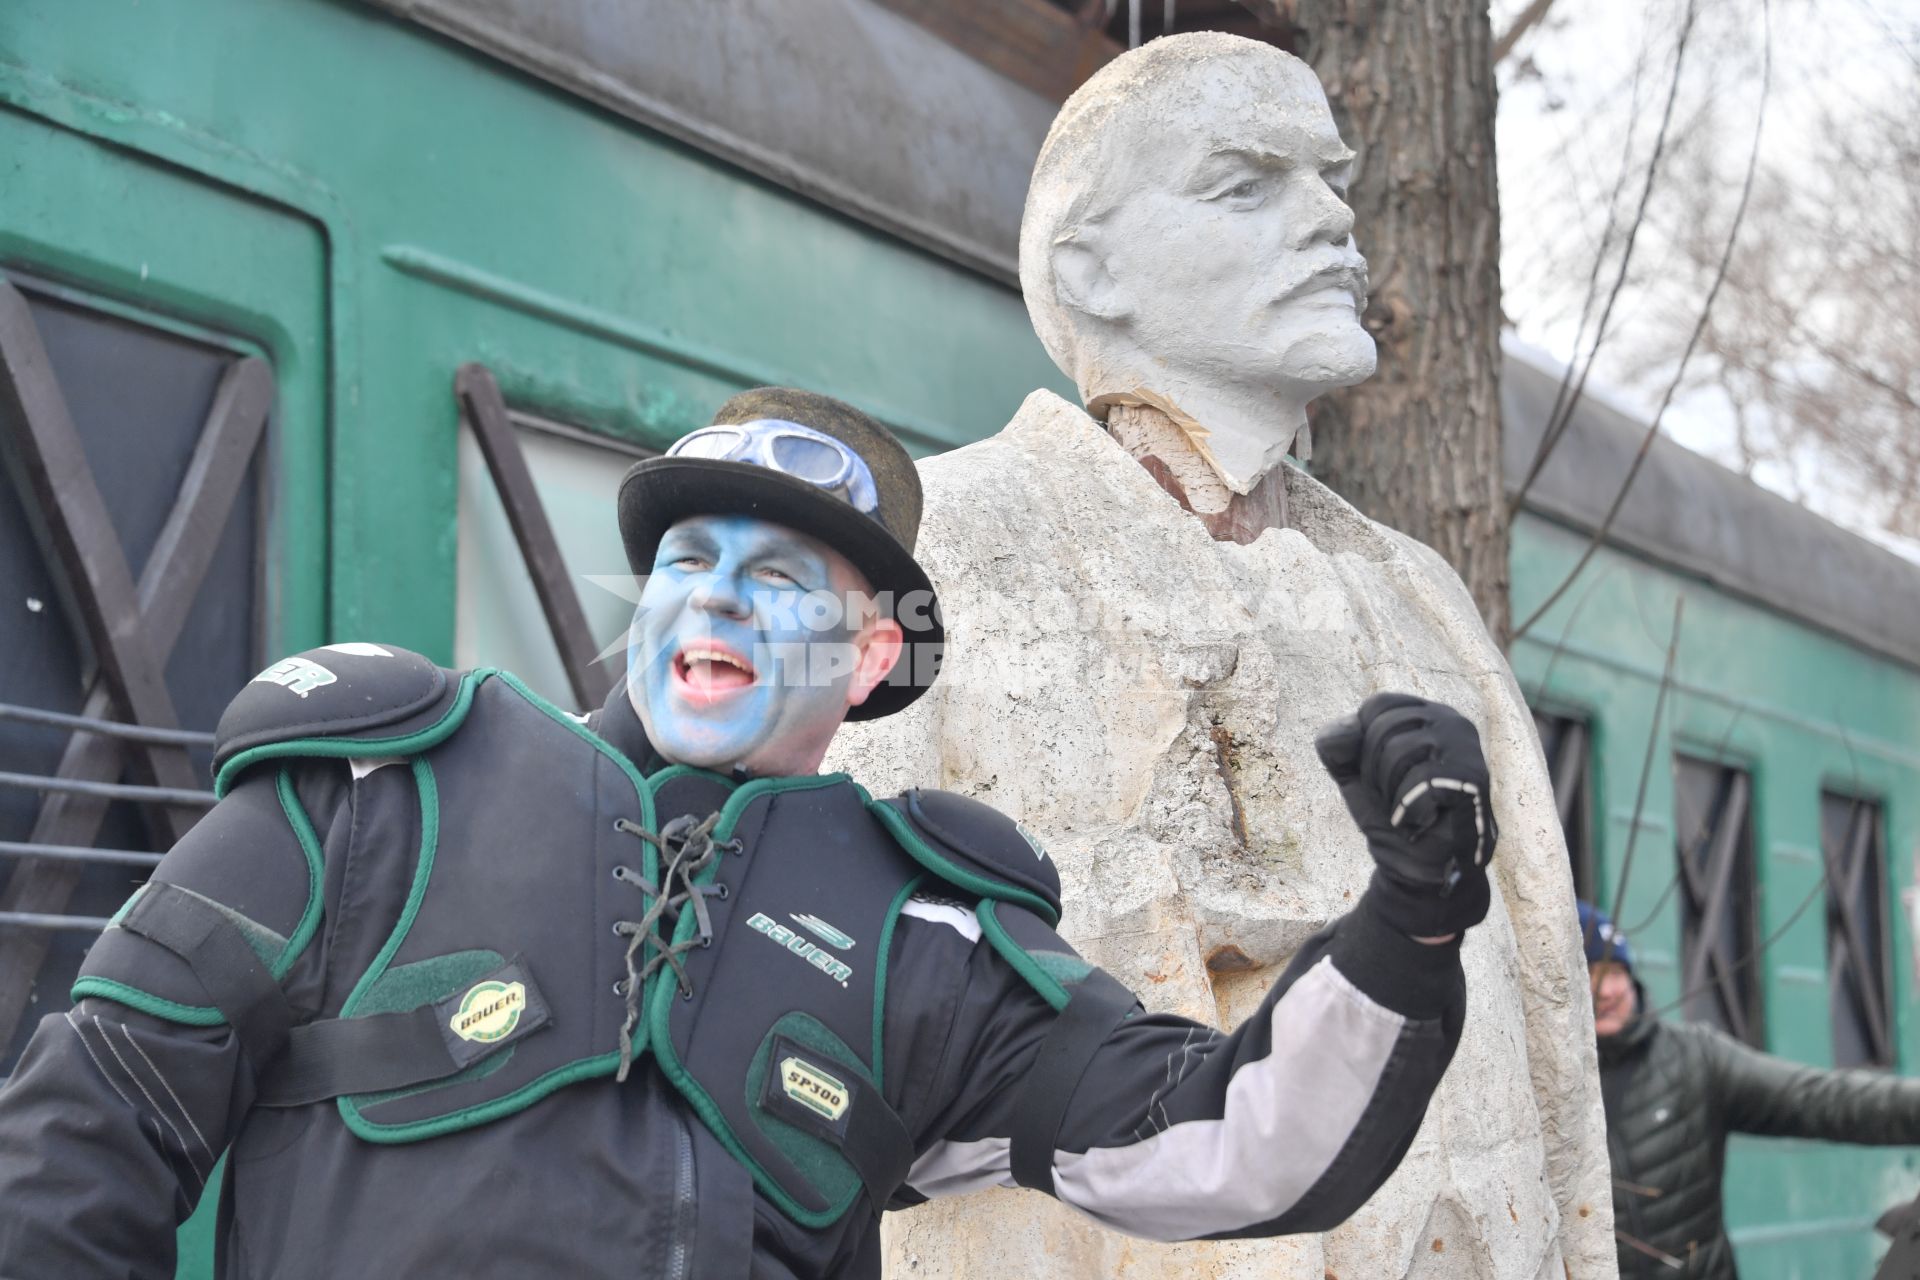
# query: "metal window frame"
1859,862
1718,908
484,411
132,628
1570,768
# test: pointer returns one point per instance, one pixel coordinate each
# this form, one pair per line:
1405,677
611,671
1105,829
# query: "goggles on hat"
792,450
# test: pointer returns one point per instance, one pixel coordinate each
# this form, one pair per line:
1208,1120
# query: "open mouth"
706,672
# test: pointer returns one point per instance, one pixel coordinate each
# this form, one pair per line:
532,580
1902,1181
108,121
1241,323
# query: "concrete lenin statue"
1150,622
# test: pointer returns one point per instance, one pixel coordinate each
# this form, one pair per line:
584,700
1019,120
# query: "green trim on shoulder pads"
972,847
280,954
577,726
660,777
1024,962
405,735
883,952
363,998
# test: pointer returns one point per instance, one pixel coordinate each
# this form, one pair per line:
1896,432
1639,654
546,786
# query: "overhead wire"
1706,312
1571,387
1739,713
1753,954
1892,35
1646,768
1566,632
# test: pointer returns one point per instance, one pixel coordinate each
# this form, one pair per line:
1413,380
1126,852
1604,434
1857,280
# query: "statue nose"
1319,212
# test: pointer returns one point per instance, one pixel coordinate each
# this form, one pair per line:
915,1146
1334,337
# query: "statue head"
1186,232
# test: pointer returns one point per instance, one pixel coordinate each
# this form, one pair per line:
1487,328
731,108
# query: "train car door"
164,362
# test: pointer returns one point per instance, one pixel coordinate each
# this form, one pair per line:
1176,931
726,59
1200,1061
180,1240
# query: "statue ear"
1081,279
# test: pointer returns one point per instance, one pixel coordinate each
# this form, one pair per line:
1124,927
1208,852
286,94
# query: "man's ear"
1080,277
880,648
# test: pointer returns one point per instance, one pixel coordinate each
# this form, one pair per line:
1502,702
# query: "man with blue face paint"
750,643
468,986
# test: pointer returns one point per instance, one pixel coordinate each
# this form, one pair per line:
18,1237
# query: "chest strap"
376,1052
358,1055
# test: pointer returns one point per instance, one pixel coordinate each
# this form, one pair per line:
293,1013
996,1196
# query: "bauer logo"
813,1088
797,943
489,1011
826,932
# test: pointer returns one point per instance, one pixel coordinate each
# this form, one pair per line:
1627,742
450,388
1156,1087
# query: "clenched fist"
1415,780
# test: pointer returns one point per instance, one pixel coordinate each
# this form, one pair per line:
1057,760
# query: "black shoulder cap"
340,691
981,839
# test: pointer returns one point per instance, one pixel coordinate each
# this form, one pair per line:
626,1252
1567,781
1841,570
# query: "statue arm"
1178,1131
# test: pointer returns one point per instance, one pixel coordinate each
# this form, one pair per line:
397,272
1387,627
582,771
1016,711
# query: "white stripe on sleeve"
1287,1115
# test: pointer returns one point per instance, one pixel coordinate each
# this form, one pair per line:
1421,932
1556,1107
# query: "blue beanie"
1601,939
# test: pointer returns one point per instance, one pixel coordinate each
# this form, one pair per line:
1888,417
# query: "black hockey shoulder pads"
340,700
975,847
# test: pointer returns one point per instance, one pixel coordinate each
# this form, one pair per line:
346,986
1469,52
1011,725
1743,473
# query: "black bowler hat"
814,464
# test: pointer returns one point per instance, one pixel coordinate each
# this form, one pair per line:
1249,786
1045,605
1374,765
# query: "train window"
1568,743
145,408
543,585
1853,844
1713,836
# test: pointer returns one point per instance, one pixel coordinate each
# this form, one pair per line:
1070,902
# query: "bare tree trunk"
1417,446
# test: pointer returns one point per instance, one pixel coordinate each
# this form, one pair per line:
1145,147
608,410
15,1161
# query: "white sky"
1572,107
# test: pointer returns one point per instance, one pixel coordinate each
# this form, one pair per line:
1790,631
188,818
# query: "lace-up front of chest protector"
687,848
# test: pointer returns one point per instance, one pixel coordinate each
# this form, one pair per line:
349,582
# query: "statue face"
1231,264
749,645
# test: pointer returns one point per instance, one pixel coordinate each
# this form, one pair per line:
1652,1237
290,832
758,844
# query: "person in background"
1673,1091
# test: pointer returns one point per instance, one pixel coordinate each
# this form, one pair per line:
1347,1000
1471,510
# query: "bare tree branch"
1706,314
1529,18
1571,387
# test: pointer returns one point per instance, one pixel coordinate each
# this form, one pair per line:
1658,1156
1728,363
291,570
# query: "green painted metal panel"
1802,711
168,249
611,277
372,206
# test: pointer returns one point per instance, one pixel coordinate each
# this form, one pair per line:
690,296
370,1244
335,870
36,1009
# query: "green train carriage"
1729,696
617,214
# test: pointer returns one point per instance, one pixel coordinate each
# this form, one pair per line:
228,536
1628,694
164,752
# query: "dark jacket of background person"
1674,1091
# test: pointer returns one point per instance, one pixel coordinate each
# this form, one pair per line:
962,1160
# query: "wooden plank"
168,586
1030,42
483,409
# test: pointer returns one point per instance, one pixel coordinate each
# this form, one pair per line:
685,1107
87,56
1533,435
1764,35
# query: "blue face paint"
741,650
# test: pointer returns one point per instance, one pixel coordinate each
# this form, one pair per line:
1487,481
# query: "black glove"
1414,779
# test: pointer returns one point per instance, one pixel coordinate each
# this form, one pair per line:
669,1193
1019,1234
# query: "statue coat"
1144,700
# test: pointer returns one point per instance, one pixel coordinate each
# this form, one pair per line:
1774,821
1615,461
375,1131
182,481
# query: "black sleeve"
1762,1094
1178,1131
113,1119
109,1129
